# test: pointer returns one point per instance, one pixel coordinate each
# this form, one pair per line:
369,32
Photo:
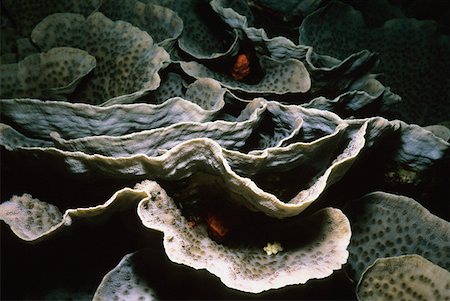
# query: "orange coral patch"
216,226
241,68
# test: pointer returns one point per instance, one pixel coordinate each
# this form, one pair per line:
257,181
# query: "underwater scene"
225,150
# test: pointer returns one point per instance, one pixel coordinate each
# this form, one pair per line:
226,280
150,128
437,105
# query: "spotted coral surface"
327,73
124,282
126,68
249,268
35,220
245,143
27,14
404,40
52,74
408,277
29,217
315,258
161,23
202,37
387,225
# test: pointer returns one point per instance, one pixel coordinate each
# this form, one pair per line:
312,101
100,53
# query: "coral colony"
253,138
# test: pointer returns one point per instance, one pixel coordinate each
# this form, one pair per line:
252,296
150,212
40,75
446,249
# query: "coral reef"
203,141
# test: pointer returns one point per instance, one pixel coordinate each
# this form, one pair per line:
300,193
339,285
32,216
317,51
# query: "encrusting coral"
237,137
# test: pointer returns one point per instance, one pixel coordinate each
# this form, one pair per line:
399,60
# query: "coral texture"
249,268
405,40
387,225
51,74
225,138
124,282
404,278
126,68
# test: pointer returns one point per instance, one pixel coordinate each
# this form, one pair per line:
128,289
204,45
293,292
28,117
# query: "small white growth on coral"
67,220
273,249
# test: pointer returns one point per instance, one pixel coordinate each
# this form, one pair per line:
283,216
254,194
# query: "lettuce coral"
387,225
408,276
51,74
81,120
210,137
27,14
126,68
249,268
124,282
280,77
132,155
412,56
161,23
34,220
202,37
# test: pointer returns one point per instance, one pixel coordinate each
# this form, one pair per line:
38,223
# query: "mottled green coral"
26,14
127,59
413,56
161,23
52,74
